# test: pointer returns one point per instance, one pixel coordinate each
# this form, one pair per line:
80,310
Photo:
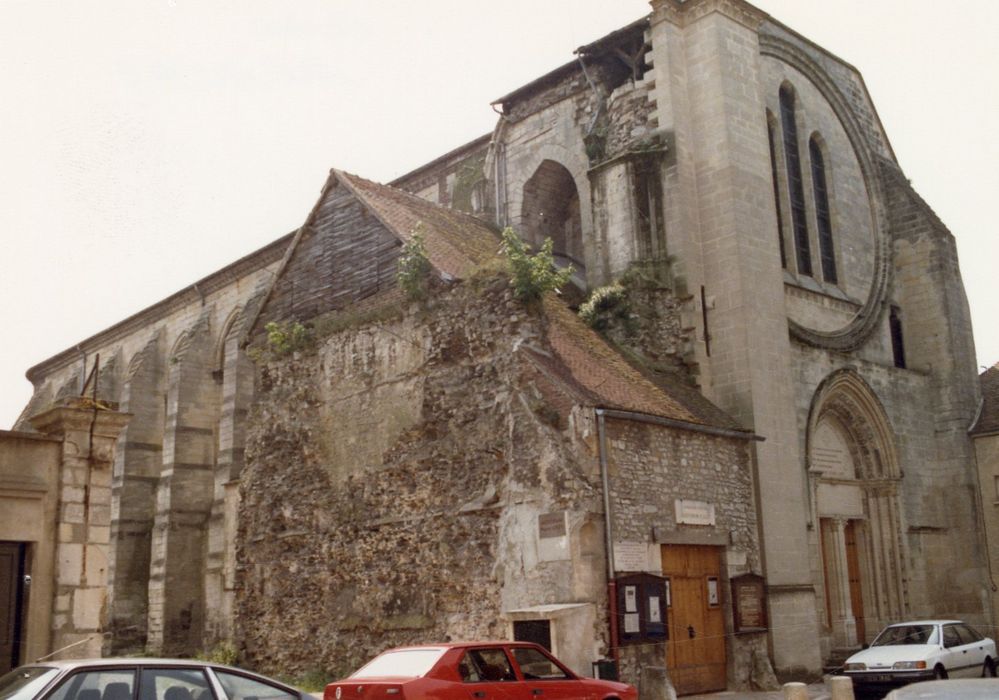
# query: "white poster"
631,623
654,615
630,599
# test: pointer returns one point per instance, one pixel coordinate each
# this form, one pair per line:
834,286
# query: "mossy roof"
609,380
457,243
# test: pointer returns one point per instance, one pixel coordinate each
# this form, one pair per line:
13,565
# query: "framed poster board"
749,603
641,608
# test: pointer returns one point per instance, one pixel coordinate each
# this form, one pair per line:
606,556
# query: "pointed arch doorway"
854,480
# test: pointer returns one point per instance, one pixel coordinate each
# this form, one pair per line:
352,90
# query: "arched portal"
551,210
854,480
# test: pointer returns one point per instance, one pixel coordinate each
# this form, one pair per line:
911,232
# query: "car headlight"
854,667
909,665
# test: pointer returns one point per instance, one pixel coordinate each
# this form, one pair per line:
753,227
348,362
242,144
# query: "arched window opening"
897,344
776,183
826,254
551,210
795,183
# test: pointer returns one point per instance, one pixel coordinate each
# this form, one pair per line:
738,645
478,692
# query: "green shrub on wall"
533,275
414,266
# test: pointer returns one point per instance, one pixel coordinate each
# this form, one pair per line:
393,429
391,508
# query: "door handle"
479,693
537,691
691,632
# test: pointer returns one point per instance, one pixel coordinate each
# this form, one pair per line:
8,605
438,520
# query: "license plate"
881,678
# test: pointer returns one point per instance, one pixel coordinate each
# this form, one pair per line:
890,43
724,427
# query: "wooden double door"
695,652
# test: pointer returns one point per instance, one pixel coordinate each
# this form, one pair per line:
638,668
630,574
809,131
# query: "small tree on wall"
533,275
414,266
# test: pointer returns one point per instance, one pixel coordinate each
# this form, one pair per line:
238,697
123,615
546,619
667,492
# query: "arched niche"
550,208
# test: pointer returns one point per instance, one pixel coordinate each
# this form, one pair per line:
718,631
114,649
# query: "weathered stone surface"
365,525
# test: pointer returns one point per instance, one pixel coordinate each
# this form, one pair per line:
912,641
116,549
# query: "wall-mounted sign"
713,601
631,556
749,603
694,512
551,525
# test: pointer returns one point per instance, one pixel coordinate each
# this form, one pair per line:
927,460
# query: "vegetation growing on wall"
469,177
604,305
286,338
414,266
533,275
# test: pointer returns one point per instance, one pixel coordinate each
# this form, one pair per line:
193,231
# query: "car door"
959,658
486,674
974,644
545,678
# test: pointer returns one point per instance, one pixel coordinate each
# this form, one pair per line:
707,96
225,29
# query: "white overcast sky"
145,144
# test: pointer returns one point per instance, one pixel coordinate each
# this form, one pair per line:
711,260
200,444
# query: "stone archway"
550,209
854,480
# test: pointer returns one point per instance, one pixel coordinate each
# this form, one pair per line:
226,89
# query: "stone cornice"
685,12
192,294
62,419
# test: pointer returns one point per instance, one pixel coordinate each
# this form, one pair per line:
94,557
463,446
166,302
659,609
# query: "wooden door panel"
853,573
695,653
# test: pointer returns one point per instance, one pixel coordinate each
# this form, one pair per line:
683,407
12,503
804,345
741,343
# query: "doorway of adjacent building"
11,602
695,652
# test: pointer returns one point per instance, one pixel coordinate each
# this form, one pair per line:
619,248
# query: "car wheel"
940,673
989,670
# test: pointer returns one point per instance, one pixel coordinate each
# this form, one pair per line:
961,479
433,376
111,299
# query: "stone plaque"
694,512
631,556
551,525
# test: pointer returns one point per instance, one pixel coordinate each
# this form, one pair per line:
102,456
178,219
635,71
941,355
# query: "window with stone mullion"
795,183
822,216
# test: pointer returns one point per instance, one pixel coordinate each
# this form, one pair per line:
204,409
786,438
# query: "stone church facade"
788,403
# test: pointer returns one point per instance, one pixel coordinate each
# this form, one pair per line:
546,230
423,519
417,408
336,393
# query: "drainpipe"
609,536
499,168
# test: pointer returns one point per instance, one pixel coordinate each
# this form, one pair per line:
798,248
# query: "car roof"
464,645
927,622
129,661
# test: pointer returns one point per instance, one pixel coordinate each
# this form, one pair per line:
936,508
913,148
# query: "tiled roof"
988,421
456,242
603,374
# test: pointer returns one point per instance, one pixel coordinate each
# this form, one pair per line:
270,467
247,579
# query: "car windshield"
904,634
25,682
405,662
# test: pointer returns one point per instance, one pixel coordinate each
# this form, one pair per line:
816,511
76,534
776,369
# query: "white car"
922,650
140,679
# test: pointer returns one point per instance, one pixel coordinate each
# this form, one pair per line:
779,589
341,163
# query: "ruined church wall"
389,478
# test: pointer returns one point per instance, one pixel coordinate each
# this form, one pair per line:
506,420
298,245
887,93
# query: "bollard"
841,688
655,684
795,691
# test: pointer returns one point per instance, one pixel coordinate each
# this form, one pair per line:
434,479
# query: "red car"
472,671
